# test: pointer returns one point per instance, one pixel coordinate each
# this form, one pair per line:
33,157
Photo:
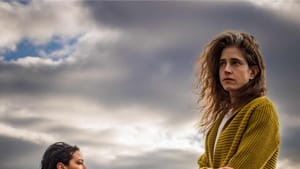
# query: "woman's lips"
228,79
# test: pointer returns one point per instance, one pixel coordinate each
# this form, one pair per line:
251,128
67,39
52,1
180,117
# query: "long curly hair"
212,99
57,152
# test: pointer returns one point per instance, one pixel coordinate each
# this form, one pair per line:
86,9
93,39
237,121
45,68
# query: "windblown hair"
57,152
212,99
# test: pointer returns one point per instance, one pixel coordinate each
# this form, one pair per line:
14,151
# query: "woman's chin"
230,89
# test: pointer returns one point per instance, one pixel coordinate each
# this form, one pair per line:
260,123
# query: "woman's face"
234,71
76,162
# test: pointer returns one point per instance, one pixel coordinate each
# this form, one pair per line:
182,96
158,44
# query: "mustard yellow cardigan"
250,139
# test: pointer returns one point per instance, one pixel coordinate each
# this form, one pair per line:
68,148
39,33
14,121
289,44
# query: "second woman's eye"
79,162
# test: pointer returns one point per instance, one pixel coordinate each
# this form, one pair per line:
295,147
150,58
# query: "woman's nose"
228,68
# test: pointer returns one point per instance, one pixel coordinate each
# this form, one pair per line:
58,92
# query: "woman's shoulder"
260,102
261,106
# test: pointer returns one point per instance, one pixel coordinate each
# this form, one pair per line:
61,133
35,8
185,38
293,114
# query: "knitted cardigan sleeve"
260,140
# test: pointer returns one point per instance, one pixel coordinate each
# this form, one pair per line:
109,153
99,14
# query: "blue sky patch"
55,44
26,48
24,2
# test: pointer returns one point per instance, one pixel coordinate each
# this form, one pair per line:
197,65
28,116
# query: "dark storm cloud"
21,80
21,122
183,28
20,154
156,15
290,146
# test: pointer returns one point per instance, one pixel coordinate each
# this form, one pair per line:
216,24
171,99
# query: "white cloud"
288,9
29,61
286,163
86,45
89,43
40,20
27,135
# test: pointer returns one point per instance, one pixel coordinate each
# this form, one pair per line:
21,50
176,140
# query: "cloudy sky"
115,77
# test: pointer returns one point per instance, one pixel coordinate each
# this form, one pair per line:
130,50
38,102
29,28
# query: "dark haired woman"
61,155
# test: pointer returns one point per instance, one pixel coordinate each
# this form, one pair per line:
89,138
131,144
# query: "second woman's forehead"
77,155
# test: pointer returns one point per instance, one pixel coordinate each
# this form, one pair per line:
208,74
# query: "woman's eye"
236,63
222,63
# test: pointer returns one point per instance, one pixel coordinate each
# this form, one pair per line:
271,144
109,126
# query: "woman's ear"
254,71
60,165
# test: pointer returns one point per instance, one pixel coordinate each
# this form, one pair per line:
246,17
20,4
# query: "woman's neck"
233,98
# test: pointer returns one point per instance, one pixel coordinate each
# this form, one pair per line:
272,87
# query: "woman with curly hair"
240,123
